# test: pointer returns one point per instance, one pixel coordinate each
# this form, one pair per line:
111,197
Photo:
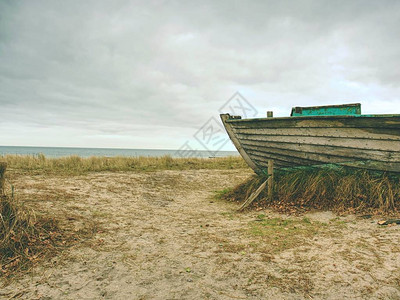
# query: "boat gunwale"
337,117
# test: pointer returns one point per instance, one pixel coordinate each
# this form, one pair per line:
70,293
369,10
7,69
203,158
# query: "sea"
110,152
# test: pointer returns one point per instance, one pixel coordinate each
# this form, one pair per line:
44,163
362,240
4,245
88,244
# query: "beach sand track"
164,236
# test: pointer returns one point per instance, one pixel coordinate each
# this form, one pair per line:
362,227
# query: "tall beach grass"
23,237
328,188
77,164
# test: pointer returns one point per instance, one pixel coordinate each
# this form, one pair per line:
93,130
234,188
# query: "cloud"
158,70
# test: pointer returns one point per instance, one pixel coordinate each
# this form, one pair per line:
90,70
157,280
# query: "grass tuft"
26,238
334,189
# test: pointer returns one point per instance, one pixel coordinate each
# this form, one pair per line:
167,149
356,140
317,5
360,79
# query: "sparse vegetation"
79,165
279,234
27,237
220,194
272,235
24,238
335,189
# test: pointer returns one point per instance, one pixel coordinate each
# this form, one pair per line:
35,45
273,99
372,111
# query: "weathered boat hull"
365,141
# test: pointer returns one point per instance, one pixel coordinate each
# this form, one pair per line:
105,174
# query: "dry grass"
79,165
3,167
26,238
335,189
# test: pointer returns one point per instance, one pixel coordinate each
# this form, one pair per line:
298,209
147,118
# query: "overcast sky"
149,74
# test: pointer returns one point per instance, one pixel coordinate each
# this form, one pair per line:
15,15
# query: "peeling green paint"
329,110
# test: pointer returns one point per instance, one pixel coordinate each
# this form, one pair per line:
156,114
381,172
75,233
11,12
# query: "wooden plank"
365,154
383,145
254,195
299,157
271,178
265,156
354,133
370,165
260,162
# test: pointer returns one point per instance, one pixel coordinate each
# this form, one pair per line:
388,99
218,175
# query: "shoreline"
57,152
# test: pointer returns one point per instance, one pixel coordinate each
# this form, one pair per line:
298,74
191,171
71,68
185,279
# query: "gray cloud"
145,74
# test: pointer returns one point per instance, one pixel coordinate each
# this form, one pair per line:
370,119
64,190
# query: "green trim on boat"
353,109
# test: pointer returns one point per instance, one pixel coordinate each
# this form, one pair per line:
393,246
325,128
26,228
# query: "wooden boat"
336,134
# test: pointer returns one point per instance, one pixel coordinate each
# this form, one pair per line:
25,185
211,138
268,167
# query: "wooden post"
254,195
269,181
271,178
3,167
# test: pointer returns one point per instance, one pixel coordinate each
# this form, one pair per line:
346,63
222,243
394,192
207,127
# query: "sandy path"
166,238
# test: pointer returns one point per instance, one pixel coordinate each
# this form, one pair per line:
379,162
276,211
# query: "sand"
163,236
